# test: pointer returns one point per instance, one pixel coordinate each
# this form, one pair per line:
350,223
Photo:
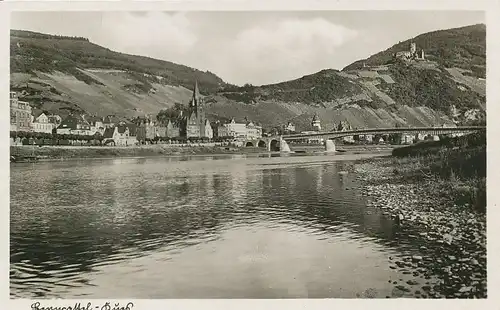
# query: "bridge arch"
274,145
249,144
261,143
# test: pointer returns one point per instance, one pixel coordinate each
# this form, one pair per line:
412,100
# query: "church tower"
316,123
197,112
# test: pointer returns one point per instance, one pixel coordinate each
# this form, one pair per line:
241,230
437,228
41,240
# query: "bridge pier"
330,146
284,147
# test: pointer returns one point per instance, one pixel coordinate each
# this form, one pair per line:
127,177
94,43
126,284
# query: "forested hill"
71,74
463,47
31,51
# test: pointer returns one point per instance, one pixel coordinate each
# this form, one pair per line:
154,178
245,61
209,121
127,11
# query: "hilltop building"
412,54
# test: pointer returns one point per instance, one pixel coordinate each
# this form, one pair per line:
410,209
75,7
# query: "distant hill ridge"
451,76
463,47
51,52
68,74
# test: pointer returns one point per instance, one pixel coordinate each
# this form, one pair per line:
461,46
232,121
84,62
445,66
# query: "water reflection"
68,220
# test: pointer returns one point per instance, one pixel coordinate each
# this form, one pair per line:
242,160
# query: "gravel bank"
451,238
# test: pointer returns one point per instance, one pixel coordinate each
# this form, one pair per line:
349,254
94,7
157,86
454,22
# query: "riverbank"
437,195
75,152
46,153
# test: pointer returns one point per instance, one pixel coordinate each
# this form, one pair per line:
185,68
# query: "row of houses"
149,129
121,131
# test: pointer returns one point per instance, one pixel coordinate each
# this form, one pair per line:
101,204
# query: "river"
236,226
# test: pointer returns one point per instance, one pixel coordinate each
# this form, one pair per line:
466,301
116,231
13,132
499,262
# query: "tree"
171,113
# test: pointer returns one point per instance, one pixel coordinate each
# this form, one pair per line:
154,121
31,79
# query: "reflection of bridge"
280,142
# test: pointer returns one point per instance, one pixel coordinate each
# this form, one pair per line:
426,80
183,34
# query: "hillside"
74,74
463,47
64,74
451,77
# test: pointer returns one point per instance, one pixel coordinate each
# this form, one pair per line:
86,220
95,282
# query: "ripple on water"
194,221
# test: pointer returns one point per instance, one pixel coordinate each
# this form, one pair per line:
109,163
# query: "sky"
259,47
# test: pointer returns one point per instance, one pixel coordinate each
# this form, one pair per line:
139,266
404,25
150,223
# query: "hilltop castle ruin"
412,54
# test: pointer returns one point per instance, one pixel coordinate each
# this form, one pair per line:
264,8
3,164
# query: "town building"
172,129
20,114
41,122
222,130
366,138
120,135
161,130
289,128
146,130
316,123
407,138
111,121
55,119
96,124
74,124
314,127
345,126
208,132
237,130
254,131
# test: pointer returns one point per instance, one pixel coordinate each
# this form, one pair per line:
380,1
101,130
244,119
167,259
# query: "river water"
198,227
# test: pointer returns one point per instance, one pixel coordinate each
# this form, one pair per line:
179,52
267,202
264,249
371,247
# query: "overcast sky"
248,47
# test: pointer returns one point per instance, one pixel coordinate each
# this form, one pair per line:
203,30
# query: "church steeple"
196,94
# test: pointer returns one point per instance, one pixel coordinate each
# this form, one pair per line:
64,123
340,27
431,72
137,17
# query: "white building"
237,130
316,123
290,127
209,132
253,131
41,123
119,135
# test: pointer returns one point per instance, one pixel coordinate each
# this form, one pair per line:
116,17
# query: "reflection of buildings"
291,179
239,182
319,178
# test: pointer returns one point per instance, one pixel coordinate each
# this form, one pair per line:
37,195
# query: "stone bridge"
279,143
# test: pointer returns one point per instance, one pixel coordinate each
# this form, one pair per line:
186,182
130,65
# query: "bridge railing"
338,134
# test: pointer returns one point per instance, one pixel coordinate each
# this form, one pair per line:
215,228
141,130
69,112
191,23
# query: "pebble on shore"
451,241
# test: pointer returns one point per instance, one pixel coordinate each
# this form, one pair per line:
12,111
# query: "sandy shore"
452,237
